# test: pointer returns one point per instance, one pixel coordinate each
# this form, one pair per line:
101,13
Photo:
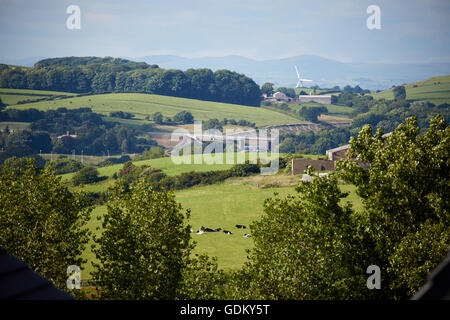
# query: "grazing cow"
218,229
200,232
247,235
240,226
208,230
227,232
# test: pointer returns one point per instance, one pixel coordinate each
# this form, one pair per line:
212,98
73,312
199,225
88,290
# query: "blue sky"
411,31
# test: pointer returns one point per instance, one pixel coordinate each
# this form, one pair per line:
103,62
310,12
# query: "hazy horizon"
411,31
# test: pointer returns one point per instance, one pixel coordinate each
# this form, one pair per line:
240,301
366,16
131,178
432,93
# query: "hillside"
100,75
142,105
435,90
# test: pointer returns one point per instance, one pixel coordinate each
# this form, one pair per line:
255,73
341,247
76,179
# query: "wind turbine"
300,80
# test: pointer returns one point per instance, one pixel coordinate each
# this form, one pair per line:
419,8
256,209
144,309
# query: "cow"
227,232
200,232
247,235
240,226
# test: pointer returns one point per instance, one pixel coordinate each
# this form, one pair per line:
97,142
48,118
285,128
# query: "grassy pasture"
14,125
236,201
167,165
435,90
142,105
36,92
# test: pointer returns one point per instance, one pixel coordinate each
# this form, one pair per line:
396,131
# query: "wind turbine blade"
296,70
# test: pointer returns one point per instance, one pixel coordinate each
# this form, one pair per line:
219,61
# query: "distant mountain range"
281,72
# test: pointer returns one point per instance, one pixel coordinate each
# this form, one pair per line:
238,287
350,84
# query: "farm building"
280,97
337,153
298,166
319,99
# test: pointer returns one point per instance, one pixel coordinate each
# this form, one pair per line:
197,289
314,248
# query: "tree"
406,215
399,93
288,91
41,221
184,117
202,280
158,118
153,153
267,88
311,113
2,105
66,165
212,124
144,246
301,248
85,176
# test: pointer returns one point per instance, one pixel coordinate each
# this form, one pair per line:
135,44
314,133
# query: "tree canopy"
41,221
99,75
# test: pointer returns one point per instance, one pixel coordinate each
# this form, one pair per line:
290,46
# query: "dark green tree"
399,93
267,88
41,221
304,248
85,176
144,247
406,215
184,117
158,118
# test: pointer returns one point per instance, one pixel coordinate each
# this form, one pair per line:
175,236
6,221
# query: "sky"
411,31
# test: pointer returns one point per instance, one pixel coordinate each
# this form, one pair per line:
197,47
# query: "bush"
184,117
85,176
153,153
66,165
112,161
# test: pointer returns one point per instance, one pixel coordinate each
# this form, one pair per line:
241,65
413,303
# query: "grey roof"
348,146
339,148
19,282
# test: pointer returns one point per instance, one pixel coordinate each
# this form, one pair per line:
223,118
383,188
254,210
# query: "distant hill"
325,72
435,90
100,75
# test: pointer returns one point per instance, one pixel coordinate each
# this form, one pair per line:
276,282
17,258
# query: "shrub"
66,165
85,176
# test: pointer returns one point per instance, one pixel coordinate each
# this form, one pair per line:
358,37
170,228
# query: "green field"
435,90
14,125
13,96
36,92
222,206
333,109
146,104
166,164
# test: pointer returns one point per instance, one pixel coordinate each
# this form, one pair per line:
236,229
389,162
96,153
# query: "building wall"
318,99
300,165
338,155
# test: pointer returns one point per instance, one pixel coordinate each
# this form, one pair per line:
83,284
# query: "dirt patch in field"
300,127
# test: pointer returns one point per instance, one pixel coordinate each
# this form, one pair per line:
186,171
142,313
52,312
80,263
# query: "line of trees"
93,135
99,75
